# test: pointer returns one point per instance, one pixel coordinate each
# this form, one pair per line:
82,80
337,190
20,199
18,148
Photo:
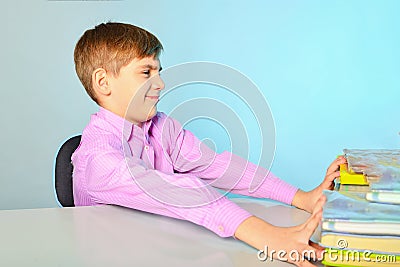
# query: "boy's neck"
139,124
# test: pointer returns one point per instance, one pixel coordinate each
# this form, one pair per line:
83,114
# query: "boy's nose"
158,83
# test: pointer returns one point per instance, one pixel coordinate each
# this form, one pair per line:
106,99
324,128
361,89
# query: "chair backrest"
63,172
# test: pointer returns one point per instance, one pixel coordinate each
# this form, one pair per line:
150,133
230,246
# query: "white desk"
114,236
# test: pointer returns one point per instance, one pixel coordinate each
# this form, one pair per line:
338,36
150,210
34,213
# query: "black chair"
63,172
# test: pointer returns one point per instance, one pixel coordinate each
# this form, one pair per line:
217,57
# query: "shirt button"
221,228
146,147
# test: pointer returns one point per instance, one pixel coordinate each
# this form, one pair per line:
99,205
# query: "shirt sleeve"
226,170
111,178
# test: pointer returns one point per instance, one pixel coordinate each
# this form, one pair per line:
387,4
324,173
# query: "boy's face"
136,90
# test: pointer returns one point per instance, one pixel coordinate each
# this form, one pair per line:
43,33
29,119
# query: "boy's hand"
293,241
306,200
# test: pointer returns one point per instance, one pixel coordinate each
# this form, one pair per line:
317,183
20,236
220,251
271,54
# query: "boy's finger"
314,253
333,175
335,164
316,245
319,204
329,181
329,178
312,223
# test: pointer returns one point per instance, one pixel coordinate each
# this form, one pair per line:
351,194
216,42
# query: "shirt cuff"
227,219
279,190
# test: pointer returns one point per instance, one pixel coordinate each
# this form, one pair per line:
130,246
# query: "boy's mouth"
152,97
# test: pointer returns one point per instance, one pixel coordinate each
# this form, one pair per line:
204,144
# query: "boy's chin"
151,114
138,118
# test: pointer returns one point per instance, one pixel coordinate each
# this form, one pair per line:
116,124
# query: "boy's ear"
100,82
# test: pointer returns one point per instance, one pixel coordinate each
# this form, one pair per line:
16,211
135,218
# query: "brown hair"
111,46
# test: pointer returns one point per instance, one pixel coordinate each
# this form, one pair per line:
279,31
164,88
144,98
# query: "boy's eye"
146,72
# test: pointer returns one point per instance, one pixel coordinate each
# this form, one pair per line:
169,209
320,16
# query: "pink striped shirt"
163,169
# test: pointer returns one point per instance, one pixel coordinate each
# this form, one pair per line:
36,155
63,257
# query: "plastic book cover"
352,213
389,180
354,207
372,162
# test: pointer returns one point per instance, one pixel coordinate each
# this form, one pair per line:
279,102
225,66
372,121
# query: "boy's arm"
226,170
110,178
237,175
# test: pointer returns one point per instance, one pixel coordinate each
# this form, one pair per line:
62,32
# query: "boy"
133,156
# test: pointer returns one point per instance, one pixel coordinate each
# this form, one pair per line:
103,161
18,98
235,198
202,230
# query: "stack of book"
361,220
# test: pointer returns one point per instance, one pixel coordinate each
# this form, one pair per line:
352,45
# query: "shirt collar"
120,125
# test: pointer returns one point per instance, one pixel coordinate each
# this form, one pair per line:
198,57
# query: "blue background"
328,69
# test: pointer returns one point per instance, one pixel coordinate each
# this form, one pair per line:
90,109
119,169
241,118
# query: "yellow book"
381,244
351,178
